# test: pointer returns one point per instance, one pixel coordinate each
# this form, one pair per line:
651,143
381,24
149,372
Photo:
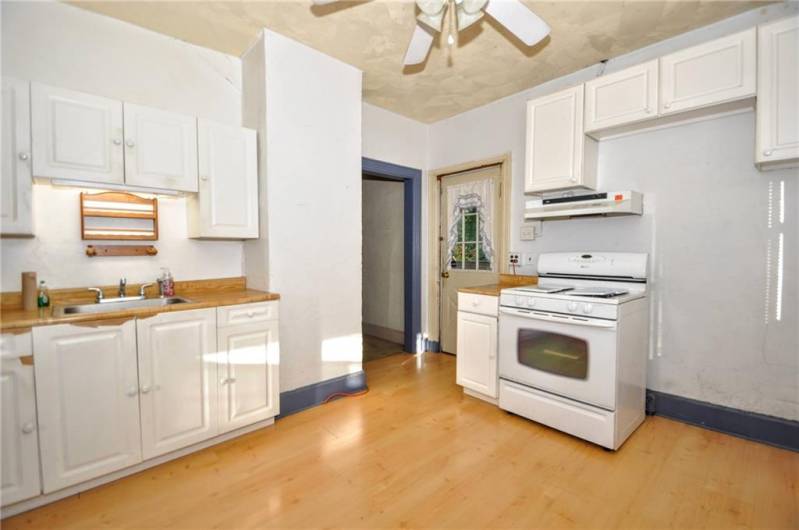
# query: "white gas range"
573,349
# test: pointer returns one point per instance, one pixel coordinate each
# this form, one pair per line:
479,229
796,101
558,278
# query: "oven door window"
553,353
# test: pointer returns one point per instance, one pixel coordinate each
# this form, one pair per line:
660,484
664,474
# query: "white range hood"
594,203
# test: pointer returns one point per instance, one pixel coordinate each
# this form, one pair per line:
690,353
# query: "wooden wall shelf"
120,250
120,207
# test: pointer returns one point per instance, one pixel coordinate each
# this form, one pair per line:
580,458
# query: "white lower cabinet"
19,436
476,363
177,379
249,359
88,400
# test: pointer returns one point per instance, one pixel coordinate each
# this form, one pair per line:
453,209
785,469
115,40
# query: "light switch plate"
529,231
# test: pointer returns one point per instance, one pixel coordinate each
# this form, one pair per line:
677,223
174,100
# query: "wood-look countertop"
201,295
505,281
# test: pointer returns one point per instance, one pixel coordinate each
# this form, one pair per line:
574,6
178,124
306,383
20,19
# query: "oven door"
572,356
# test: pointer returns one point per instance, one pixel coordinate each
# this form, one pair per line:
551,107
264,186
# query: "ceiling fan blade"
518,19
419,47
323,2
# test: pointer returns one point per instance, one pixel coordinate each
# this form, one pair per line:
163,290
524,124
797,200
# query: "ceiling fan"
512,14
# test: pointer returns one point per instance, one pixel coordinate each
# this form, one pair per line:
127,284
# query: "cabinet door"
556,143
714,72
160,149
477,353
227,203
249,363
622,97
177,376
88,400
76,136
778,91
18,427
16,217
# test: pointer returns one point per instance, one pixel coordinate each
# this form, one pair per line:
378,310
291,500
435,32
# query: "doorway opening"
391,206
468,239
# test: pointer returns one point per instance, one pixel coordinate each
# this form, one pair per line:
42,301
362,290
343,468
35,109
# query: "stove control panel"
593,309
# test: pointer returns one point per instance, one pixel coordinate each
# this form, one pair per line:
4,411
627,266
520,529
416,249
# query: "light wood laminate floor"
416,453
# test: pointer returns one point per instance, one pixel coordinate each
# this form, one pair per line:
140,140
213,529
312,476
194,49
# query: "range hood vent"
605,204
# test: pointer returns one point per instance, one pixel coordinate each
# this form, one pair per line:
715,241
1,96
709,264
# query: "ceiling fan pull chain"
453,29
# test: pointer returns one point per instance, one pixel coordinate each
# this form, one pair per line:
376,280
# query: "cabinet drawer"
246,313
478,303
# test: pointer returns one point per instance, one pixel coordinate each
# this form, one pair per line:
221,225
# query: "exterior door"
88,400
160,149
249,359
227,203
18,428
76,136
469,232
177,375
16,217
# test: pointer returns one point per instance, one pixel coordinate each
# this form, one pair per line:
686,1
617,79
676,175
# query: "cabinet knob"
667,105
573,179
145,389
231,380
203,177
28,427
132,391
24,156
130,143
767,152
224,381
117,141
649,110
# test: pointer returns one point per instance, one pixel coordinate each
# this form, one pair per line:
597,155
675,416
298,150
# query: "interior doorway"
391,206
469,238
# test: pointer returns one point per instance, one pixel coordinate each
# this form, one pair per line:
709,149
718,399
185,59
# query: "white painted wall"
72,48
383,254
705,226
313,195
389,137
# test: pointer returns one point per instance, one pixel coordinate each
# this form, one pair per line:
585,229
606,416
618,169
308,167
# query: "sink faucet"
123,285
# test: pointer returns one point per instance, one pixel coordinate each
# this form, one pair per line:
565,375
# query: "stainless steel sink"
110,306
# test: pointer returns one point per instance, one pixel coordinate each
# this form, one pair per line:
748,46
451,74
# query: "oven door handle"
565,319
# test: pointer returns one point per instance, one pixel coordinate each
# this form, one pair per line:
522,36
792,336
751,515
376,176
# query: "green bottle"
44,295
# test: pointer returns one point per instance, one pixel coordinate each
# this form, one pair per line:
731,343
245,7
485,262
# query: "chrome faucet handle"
145,286
123,287
98,294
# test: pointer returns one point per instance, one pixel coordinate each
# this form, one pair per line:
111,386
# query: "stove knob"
519,300
587,308
572,306
531,302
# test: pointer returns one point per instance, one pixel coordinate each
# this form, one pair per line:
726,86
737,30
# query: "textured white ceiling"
488,63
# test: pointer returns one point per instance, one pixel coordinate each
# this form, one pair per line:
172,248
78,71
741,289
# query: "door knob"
28,428
445,274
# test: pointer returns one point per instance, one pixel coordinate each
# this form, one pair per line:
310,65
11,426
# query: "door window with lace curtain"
470,227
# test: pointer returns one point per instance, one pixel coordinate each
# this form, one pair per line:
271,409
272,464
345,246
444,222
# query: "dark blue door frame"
412,179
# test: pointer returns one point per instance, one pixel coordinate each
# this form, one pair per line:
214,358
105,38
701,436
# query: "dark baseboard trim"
431,345
299,399
750,425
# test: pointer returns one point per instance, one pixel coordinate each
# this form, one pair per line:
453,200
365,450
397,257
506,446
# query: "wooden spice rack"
122,207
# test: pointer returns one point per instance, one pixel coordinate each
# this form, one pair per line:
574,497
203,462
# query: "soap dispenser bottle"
167,283
43,299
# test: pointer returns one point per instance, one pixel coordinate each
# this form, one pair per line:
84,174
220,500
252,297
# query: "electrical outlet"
514,258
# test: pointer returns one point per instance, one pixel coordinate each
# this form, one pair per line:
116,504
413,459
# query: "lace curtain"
477,196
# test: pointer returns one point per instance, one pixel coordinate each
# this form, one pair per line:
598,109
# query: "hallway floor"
414,452
376,348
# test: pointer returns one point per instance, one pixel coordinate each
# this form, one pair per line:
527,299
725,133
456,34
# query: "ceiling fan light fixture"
467,19
432,21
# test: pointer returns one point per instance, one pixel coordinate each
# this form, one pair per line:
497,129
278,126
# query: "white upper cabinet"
19,439
76,136
628,96
177,377
87,394
558,154
227,203
16,217
160,149
778,94
715,72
